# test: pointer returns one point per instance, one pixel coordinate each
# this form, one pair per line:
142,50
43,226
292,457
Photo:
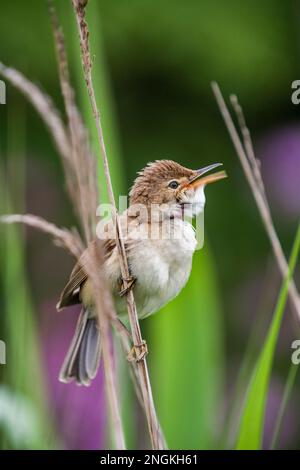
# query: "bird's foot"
128,285
138,352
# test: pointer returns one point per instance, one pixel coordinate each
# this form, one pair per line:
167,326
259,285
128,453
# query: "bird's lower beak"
200,180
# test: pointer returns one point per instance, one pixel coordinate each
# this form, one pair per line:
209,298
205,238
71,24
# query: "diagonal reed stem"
84,176
71,241
157,440
252,172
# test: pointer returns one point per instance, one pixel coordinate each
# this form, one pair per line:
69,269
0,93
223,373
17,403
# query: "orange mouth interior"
207,179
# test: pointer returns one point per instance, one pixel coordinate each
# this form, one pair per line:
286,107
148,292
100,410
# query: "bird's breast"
162,266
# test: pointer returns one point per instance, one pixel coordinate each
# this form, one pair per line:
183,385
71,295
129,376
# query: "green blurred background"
153,65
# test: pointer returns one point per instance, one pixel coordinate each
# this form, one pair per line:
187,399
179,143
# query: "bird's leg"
128,284
138,352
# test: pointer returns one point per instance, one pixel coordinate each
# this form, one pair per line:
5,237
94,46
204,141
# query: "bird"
159,240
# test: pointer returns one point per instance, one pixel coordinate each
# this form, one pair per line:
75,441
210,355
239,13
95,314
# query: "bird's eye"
173,184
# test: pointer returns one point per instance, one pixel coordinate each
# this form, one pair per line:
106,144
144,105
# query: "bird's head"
168,183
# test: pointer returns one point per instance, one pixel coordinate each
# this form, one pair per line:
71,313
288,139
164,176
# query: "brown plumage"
149,186
146,189
160,267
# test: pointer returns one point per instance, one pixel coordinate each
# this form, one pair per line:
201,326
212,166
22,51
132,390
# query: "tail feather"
83,357
91,360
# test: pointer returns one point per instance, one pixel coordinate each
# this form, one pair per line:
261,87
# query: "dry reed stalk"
105,308
251,167
82,165
63,237
65,143
43,105
156,435
84,175
46,109
80,175
71,241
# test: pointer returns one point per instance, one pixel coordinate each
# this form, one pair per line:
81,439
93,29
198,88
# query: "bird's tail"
83,357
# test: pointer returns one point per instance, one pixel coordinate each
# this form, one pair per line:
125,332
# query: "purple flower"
279,152
79,412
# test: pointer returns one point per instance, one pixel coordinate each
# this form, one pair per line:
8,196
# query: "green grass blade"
252,420
186,360
256,337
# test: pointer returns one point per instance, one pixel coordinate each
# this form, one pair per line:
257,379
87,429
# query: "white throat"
194,202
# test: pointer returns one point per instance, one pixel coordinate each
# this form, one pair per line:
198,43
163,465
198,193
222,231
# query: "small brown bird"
159,244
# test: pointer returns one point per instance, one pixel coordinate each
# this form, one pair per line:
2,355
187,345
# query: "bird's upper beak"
200,180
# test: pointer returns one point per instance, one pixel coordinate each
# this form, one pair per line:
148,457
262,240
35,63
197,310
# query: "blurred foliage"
251,431
187,360
153,65
24,399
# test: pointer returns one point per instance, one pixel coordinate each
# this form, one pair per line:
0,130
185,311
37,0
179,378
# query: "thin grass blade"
252,420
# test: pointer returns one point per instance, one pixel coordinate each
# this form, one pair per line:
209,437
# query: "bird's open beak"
200,180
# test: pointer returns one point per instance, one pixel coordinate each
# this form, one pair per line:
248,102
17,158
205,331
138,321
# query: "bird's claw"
129,285
138,352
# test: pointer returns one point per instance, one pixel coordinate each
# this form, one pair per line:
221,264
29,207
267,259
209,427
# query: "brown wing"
70,294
